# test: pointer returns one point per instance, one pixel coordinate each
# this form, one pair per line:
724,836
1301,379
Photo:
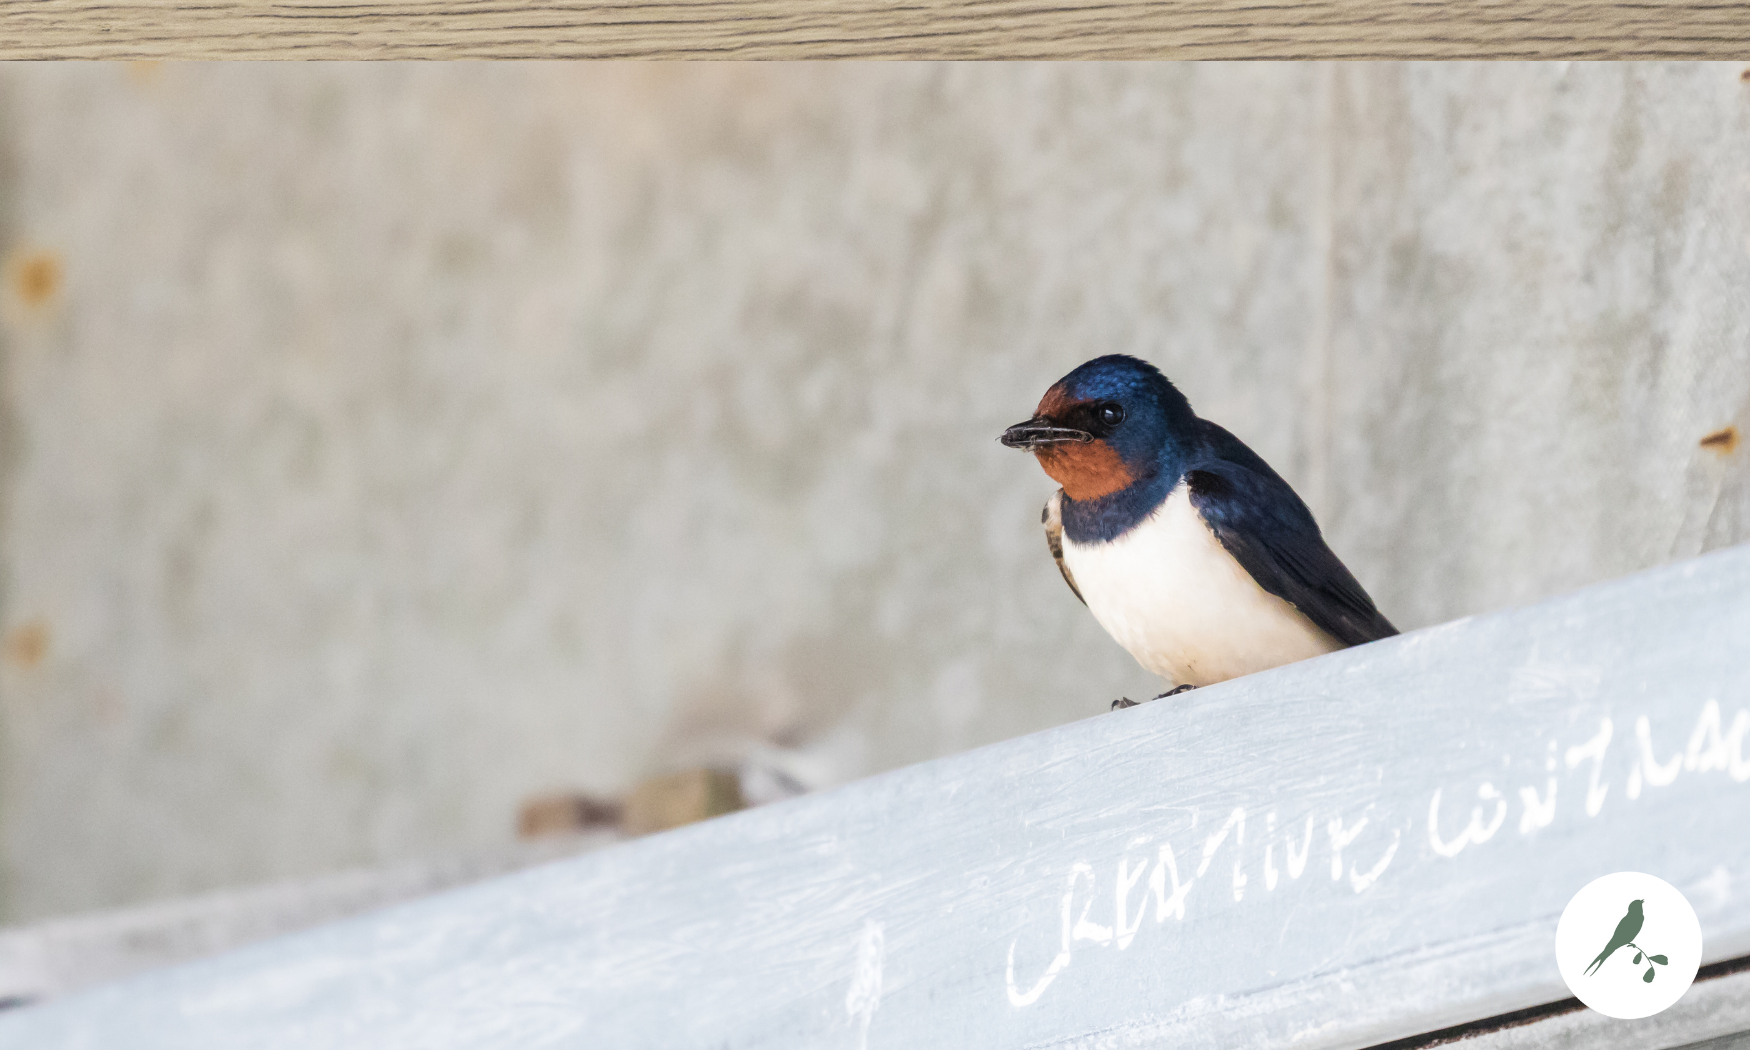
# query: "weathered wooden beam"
1337,853
1713,1015
934,29
58,956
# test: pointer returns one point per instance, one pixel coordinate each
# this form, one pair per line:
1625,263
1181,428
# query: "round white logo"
1628,945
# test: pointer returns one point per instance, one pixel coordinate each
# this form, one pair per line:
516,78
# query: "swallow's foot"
1125,701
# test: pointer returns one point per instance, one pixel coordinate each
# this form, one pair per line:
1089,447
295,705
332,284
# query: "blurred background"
393,458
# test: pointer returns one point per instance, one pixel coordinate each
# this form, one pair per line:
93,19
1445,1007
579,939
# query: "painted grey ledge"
1713,1015
1341,852
58,956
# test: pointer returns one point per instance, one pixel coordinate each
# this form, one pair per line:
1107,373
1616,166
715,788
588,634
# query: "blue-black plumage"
1187,547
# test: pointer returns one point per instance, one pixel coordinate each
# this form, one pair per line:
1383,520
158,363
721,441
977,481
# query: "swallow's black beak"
1040,431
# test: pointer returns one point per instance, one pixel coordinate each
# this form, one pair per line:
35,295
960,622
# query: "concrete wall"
383,445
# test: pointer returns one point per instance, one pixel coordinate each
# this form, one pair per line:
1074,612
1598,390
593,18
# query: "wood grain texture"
1353,849
920,29
60,956
1713,1015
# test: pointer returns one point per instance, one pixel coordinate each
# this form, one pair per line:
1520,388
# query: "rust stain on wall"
1724,441
34,277
28,644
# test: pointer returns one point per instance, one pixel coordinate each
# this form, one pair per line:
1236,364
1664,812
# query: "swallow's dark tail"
1596,963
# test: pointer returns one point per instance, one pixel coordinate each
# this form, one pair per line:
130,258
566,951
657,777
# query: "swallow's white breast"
1172,595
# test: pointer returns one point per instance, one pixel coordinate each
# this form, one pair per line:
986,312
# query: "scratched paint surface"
1354,848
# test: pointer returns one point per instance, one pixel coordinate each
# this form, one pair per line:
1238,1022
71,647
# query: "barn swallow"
1627,929
1188,549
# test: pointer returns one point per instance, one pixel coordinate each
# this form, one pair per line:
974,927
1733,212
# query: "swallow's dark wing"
1269,531
1052,518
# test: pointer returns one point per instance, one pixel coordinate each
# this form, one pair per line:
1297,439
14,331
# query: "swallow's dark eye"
1111,415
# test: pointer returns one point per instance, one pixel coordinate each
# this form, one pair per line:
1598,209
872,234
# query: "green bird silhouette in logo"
1626,931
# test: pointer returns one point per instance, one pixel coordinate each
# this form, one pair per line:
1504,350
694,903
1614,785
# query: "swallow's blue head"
1107,425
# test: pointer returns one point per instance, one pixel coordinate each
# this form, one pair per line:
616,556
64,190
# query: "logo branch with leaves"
1659,959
